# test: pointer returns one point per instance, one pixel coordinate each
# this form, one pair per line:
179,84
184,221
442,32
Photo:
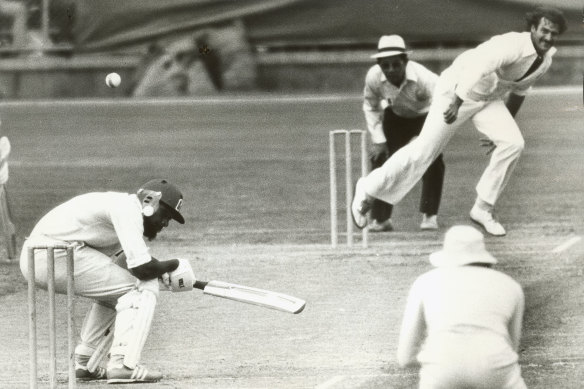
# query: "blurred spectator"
6,225
26,35
17,11
170,71
211,60
463,320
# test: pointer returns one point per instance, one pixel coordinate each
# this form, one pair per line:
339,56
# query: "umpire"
397,97
463,320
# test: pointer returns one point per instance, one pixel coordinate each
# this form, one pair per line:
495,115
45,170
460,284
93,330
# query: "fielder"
462,322
397,97
114,268
6,224
473,89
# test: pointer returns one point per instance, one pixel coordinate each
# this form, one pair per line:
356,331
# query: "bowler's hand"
451,112
488,144
378,152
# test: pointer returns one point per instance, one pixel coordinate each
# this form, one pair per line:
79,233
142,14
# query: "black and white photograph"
292,194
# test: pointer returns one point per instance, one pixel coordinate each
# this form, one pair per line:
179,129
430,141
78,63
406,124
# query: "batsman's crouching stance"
113,267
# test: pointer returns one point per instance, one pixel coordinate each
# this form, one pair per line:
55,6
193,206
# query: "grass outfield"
254,172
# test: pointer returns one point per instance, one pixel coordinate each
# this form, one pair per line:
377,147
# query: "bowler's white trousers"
400,173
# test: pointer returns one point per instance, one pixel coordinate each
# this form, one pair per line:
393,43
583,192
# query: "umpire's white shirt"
491,70
104,221
460,317
411,99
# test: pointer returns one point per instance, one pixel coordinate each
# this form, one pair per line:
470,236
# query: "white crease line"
566,245
329,383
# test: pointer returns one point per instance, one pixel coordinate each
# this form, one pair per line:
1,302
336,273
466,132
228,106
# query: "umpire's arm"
412,330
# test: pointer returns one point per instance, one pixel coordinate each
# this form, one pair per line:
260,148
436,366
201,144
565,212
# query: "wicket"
348,182
52,314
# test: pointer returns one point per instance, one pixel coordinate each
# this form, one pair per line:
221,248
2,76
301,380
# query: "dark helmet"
169,196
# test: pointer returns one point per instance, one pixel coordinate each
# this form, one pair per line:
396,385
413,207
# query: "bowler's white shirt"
411,99
102,220
491,70
463,310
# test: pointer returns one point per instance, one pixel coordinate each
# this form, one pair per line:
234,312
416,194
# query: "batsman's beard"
150,230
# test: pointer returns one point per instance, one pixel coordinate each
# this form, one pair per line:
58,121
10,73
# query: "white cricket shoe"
83,374
487,221
361,205
384,226
125,375
429,223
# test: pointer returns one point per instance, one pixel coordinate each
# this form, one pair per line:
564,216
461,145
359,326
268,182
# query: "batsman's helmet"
160,190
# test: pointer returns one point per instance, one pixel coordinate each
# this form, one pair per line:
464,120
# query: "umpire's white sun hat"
462,245
390,45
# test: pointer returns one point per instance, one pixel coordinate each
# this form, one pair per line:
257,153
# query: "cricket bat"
248,295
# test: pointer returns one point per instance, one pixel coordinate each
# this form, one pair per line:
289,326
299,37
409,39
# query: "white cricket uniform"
410,100
463,325
101,224
482,77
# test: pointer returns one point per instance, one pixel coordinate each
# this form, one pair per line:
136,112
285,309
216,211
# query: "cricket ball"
113,80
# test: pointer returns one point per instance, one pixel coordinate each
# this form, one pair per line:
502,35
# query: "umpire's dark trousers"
398,132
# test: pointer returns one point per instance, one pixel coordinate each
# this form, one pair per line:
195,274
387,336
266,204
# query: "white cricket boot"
375,226
83,374
429,223
487,221
118,373
361,205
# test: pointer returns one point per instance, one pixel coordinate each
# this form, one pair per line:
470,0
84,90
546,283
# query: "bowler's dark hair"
554,15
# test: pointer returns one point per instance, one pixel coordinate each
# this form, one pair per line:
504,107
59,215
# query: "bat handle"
200,284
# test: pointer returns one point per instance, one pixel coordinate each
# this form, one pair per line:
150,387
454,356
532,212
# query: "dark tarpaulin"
104,24
418,21
109,24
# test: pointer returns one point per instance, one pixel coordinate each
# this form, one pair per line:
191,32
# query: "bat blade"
255,296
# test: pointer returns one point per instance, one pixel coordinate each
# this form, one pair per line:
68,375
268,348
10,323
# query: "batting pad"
135,312
96,334
101,351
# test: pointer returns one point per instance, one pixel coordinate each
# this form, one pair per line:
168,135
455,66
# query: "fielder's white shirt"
411,99
491,70
102,220
467,311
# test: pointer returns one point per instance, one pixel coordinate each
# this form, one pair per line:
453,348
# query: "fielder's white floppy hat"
390,45
462,245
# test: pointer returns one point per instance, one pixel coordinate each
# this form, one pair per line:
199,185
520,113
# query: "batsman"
114,268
